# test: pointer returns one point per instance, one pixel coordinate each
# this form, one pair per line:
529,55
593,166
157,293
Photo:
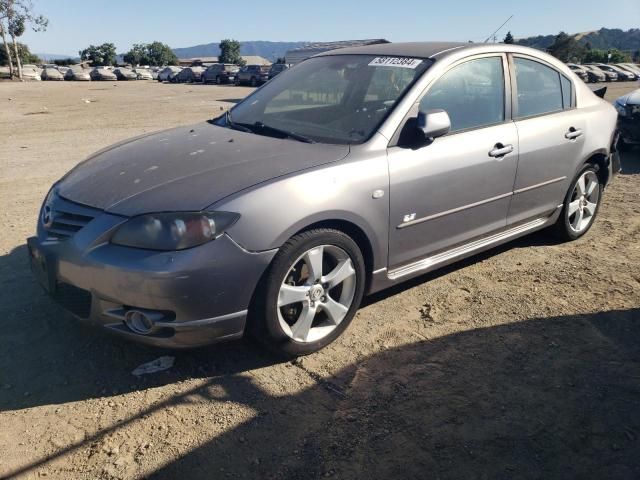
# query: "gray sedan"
352,172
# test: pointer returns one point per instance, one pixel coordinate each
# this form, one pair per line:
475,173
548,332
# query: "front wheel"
580,205
310,293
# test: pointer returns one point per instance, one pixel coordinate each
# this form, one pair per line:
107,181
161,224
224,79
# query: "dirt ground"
523,362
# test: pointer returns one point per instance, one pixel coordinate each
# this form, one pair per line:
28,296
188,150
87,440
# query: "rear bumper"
195,297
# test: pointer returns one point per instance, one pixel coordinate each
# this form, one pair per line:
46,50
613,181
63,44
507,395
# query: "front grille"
74,299
62,218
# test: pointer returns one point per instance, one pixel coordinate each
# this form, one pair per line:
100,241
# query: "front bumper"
197,296
629,128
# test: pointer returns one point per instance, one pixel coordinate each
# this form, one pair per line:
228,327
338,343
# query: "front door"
459,186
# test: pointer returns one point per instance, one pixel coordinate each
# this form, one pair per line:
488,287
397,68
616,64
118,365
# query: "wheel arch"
600,159
356,233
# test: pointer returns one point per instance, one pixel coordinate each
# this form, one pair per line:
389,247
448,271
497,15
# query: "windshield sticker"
399,62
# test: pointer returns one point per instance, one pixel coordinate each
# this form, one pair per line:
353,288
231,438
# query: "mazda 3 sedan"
356,170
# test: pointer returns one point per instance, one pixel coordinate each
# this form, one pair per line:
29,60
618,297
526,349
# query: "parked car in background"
123,73
614,73
628,69
143,73
579,71
51,73
77,73
5,73
595,74
277,68
628,107
632,66
220,73
253,75
102,74
188,75
623,75
388,161
167,73
31,72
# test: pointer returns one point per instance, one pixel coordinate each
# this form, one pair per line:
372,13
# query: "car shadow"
48,357
630,161
552,397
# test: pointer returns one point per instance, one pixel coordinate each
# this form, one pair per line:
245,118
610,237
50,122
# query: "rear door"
551,134
458,186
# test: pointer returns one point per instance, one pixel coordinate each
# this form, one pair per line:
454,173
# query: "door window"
471,93
539,89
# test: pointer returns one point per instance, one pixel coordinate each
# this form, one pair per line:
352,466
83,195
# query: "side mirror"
434,123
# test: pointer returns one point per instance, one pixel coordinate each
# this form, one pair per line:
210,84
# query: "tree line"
15,17
153,54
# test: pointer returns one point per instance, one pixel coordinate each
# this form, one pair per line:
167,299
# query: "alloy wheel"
584,202
316,293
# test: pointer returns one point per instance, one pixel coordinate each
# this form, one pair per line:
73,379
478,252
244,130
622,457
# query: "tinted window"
566,91
471,93
539,89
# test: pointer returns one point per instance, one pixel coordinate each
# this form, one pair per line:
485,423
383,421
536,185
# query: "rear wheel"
310,294
254,82
580,205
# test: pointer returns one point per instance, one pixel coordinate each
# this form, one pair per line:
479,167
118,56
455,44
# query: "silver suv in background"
220,73
354,171
253,75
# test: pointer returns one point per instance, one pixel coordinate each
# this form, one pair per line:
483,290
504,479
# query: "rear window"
539,88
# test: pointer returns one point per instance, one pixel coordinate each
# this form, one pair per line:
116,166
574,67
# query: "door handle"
500,150
573,133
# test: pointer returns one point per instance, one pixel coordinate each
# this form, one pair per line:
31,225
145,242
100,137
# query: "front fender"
272,212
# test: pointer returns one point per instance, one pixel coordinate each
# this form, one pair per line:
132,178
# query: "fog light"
138,321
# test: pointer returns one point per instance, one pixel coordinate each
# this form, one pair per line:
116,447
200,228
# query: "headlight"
173,231
622,111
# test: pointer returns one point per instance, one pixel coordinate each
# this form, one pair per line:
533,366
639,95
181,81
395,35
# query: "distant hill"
50,57
604,39
268,50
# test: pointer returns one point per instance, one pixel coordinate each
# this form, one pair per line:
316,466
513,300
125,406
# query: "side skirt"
383,279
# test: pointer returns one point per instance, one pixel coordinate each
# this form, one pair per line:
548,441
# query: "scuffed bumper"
197,296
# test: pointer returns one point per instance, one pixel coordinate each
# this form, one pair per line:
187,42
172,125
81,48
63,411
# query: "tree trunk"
18,62
7,49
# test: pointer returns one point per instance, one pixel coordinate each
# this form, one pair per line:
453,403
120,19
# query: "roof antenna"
494,33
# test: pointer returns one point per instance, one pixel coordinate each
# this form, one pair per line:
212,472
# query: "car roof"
407,49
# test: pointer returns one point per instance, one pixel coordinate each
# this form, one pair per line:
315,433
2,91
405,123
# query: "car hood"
186,169
632,98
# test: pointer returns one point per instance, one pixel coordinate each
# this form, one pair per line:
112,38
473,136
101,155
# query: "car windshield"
330,99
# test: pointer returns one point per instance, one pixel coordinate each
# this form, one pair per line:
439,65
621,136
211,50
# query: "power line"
498,29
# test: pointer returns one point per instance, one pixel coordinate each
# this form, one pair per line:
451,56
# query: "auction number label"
400,62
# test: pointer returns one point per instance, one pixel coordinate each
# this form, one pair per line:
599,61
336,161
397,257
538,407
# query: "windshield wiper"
261,128
279,131
236,126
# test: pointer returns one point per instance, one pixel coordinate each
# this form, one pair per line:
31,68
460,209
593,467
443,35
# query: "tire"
218,80
279,321
254,82
237,82
573,224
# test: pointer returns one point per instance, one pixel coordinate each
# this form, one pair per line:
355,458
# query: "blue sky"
74,24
